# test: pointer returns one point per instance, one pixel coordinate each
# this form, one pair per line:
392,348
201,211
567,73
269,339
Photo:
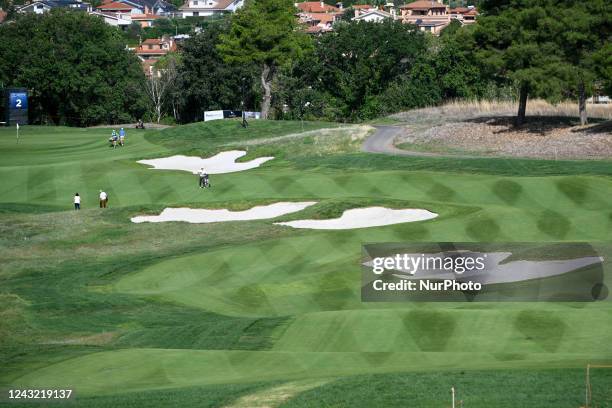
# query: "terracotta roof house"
3,15
151,50
428,15
314,30
466,15
137,7
200,8
317,7
318,22
117,7
145,20
43,6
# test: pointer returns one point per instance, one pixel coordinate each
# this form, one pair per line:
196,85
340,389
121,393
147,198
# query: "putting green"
97,303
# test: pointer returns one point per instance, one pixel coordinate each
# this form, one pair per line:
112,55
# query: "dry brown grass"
535,107
461,110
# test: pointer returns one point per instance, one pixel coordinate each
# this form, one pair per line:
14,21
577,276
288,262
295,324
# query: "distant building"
318,22
118,8
317,16
144,12
43,6
466,15
429,15
145,20
151,50
204,8
156,7
3,15
317,7
373,15
122,13
114,19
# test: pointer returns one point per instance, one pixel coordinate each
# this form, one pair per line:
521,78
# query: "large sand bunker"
364,218
202,216
224,162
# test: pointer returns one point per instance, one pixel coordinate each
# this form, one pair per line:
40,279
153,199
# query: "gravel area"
448,130
543,137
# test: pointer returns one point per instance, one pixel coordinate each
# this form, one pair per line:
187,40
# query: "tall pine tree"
264,32
585,31
518,40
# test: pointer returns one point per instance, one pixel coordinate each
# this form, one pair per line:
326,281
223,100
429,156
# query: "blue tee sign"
18,100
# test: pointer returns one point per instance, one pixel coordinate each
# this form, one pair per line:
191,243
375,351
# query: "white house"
113,19
43,6
374,15
202,8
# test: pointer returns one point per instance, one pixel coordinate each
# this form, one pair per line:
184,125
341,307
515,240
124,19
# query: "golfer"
114,138
121,136
77,201
203,177
103,199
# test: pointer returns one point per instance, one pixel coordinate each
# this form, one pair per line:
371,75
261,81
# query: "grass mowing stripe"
493,166
293,293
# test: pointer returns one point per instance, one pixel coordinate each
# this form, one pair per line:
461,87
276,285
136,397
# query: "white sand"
224,162
498,272
201,216
364,218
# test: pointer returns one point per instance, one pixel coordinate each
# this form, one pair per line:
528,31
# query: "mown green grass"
473,388
201,315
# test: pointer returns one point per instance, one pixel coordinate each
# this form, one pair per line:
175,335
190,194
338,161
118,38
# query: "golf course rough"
136,315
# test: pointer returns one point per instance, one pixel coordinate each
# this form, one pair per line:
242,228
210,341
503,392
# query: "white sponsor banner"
252,115
213,115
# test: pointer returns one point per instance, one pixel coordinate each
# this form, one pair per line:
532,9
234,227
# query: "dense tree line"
75,67
79,72
359,71
364,70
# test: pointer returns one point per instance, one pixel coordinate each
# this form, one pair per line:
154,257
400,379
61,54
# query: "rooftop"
317,7
219,5
114,6
423,5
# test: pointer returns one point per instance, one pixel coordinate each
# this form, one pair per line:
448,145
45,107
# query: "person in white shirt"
77,201
202,175
103,199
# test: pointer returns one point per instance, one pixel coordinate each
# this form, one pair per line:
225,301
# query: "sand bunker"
224,162
202,216
364,218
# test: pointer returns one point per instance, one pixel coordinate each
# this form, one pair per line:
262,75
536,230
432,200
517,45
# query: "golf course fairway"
249,313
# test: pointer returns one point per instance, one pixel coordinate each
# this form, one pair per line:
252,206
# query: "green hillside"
252,313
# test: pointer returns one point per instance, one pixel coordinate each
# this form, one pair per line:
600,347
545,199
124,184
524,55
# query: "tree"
454,60
206,82
359,71
161,84
360,59
75,66
517,40
586,30
266,33
602,60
